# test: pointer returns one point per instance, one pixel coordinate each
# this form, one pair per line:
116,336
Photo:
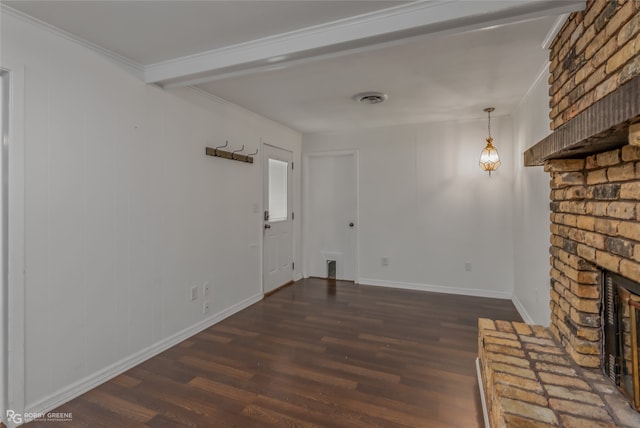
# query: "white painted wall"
125,213
531,208
426,204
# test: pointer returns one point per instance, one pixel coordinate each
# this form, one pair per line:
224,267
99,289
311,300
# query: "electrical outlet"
206,288
467,267
384,261
205,308
194,293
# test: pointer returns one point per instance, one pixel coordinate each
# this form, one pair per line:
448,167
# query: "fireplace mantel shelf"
602,126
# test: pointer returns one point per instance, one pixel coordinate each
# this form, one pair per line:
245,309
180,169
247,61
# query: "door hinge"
293,215
293,265
291,165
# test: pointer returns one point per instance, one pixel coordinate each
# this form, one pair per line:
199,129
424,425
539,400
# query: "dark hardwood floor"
311,355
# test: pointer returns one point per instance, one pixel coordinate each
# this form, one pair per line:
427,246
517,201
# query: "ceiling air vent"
370,97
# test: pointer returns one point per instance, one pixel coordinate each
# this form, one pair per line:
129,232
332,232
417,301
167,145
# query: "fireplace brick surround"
593,159
595,213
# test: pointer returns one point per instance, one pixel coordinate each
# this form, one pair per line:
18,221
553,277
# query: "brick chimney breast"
594,53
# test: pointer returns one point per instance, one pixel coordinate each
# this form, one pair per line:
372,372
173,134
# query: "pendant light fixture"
489,159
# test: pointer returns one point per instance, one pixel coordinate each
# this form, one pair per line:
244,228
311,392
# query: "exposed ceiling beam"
351,35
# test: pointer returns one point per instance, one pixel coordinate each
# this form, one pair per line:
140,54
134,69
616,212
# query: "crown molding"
553,32
544,70
350,35
133,67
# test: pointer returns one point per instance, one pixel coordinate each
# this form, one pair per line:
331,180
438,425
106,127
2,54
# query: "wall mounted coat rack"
232,155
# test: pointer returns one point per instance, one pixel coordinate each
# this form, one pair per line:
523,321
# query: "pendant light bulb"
489,158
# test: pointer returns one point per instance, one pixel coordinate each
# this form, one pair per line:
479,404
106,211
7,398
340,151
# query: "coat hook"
233,153
226,143
248,157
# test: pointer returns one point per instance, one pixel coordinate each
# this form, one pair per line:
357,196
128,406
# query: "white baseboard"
522,311
89,382
438,288
483,399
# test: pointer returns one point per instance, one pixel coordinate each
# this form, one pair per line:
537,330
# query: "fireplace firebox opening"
621,315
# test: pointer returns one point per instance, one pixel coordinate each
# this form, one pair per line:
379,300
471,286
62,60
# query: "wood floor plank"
213,368
308,412
117,405
262,415
313,354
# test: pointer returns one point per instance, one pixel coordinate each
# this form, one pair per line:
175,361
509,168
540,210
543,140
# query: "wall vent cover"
370,97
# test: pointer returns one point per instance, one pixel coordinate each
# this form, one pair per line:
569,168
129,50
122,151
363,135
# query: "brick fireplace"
595,213
593,158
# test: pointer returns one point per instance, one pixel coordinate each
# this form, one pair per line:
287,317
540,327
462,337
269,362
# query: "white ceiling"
153,31
299,62
427,79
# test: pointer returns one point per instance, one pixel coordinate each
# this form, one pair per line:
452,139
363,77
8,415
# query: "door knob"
351,224
267,226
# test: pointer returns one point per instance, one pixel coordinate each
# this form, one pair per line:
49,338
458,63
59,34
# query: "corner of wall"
531,217
522,310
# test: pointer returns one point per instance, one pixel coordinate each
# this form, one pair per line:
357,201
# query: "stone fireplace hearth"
529,381
593,158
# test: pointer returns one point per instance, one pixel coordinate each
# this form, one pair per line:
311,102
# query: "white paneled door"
278,218
331,211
